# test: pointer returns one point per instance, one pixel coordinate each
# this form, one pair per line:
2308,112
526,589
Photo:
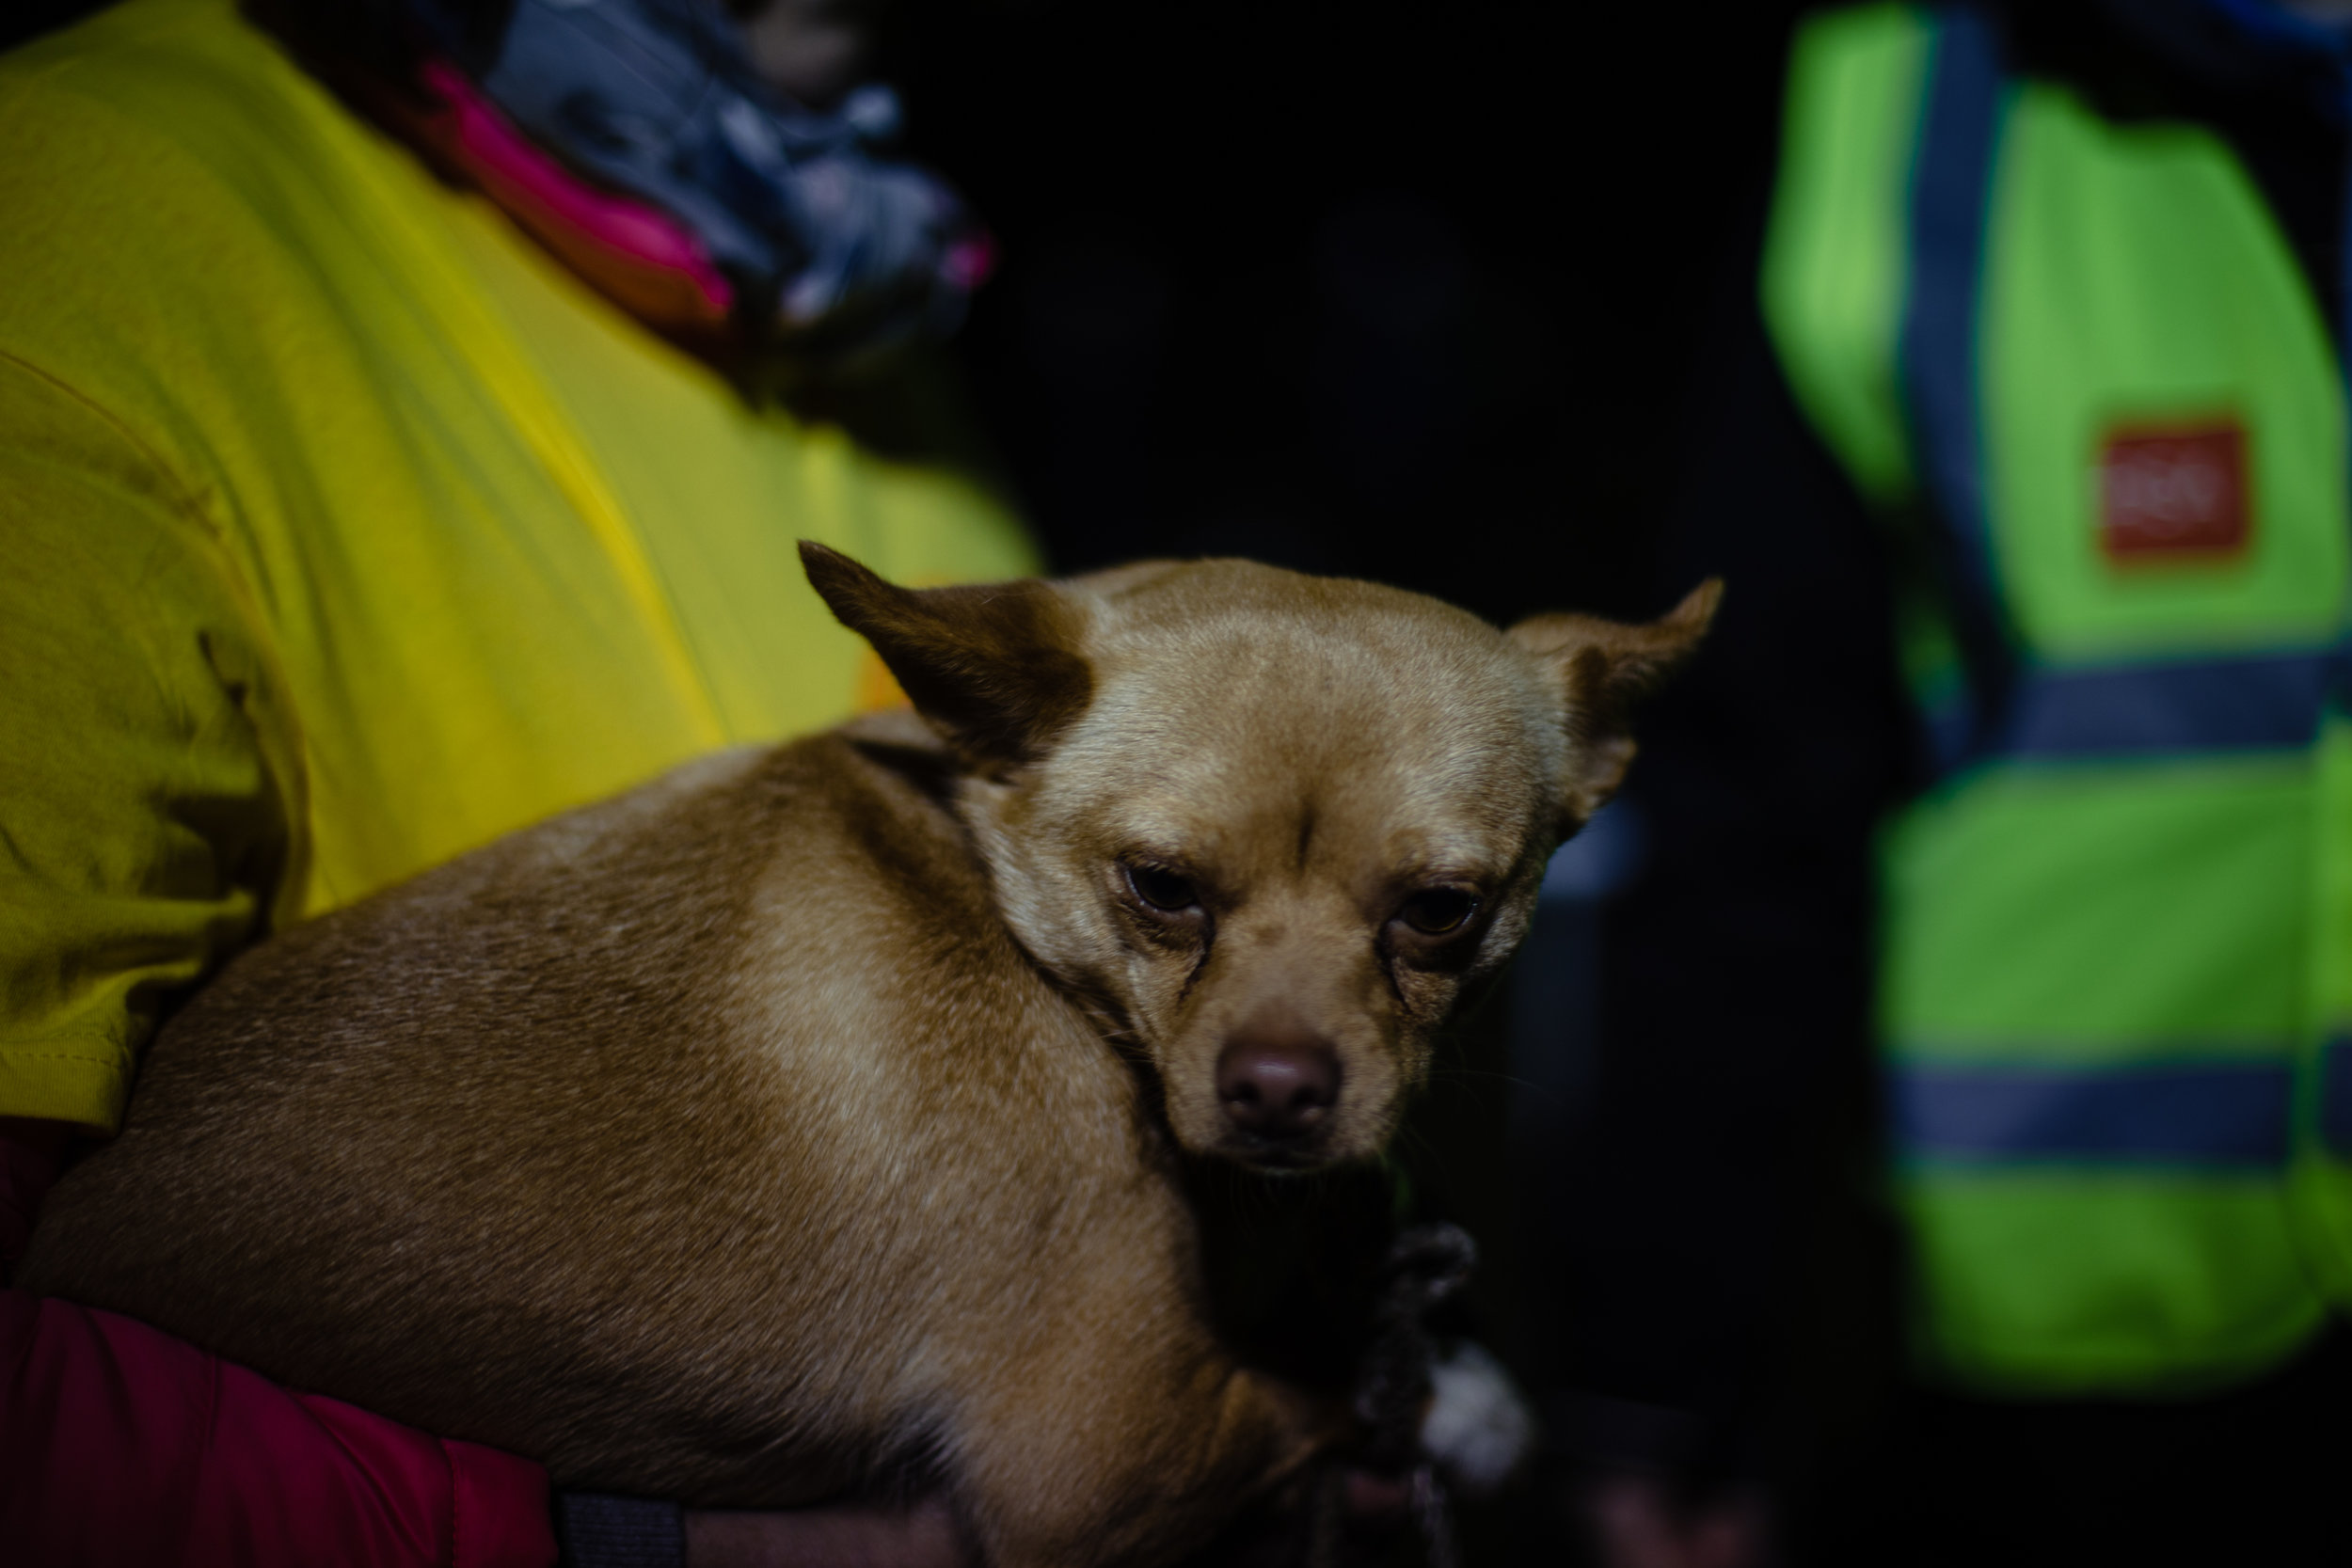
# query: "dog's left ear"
1601,669
995,666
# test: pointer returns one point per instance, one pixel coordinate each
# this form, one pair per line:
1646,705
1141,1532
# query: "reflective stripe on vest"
1950,174
2258,701
2204,1114
2335,1097
2105,1079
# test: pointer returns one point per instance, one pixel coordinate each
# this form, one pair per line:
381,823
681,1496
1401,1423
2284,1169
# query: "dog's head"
1278,825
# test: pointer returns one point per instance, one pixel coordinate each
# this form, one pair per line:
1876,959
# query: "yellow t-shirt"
341,530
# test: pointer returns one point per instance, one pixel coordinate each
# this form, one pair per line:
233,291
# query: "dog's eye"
1435,911
1161,887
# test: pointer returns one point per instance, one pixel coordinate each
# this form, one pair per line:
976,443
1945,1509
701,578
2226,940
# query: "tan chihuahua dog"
816,1116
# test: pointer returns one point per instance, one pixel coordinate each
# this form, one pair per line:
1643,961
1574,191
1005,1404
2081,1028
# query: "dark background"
1408,290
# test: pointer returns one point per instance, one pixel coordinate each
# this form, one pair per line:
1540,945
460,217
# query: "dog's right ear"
1599,669
995,666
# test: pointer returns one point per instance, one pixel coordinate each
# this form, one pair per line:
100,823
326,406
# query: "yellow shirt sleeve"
341,531
139,821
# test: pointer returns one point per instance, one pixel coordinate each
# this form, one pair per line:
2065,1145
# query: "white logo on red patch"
2178,492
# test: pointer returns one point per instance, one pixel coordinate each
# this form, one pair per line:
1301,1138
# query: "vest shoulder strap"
1833,280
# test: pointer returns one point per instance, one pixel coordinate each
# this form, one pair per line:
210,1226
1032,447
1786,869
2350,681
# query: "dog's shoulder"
875,880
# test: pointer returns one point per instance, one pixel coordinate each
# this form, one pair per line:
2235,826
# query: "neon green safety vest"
2077,362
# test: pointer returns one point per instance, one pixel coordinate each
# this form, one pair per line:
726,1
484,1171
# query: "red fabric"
120,1445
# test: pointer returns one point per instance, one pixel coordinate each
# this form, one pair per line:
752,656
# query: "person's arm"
144,823
120,1444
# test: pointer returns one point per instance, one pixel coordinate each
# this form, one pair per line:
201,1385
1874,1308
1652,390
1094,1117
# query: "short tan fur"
813,1116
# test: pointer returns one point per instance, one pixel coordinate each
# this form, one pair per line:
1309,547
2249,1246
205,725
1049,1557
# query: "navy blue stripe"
2335,1097
2228,1114
2260,701
1950,183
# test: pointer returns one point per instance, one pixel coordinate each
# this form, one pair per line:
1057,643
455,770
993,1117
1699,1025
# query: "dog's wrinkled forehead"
1232,698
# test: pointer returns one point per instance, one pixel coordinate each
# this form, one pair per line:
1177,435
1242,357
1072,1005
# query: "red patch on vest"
2174,493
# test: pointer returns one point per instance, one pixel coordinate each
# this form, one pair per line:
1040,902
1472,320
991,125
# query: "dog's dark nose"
1279,1085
